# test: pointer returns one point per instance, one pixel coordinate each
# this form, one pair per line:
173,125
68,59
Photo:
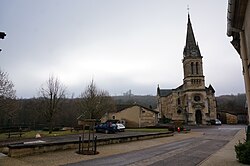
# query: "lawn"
32,134
148,130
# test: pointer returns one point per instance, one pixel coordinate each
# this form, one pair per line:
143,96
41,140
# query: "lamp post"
2,35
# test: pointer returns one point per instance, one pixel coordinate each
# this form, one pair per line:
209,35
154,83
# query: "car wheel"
106,131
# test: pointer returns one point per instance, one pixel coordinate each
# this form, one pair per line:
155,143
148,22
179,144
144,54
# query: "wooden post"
89,139
79,149
83,130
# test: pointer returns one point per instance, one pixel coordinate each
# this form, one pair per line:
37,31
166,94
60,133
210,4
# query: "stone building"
133,116
192,102
238,27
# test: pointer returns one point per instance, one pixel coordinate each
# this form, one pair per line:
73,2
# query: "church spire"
191,48
190,40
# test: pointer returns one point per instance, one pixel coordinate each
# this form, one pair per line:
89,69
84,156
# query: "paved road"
186,152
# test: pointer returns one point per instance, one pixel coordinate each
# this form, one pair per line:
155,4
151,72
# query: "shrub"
165,120
45,129
178,124
56,129
243,152
248,133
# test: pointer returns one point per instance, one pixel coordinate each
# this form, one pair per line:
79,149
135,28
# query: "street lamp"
2,35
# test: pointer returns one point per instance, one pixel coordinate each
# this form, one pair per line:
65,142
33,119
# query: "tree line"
235,104
51,108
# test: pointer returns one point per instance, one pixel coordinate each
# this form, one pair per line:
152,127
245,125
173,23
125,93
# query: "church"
192,102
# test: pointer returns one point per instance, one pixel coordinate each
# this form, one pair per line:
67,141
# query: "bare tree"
95,103
8,104
6,86
52,93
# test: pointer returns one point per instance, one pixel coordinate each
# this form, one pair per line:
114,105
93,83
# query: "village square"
179,124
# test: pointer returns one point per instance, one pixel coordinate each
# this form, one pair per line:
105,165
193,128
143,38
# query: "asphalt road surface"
187,152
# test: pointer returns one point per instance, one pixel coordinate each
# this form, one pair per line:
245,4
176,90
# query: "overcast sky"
121,44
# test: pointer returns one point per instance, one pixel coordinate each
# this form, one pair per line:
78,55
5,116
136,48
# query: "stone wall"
19,150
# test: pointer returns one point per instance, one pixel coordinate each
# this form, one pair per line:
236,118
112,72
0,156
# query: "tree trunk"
50,127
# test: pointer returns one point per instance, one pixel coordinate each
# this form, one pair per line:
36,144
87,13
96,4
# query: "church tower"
192,62
192,102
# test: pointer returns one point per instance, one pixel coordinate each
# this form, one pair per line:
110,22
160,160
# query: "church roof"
191,47
210,87
167,92
164,92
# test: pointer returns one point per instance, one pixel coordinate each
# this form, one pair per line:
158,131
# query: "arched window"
192,67
179,101
197,68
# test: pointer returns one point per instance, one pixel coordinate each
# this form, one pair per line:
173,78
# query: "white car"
120,127
217,122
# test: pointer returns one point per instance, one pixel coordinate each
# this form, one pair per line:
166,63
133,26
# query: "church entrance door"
198,117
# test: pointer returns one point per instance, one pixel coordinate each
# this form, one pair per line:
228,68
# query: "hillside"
146,101
235,104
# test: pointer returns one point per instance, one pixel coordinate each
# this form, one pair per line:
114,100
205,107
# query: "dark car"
106,128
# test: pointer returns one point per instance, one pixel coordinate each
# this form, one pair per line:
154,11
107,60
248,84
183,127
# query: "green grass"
32,134
148,130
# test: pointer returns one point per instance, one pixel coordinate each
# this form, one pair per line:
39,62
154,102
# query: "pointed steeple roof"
191,48
190,40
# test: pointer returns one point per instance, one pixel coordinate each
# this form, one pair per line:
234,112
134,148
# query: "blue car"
106,128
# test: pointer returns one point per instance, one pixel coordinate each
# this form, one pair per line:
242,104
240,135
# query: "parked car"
215,122
114,121
120,127
106,128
